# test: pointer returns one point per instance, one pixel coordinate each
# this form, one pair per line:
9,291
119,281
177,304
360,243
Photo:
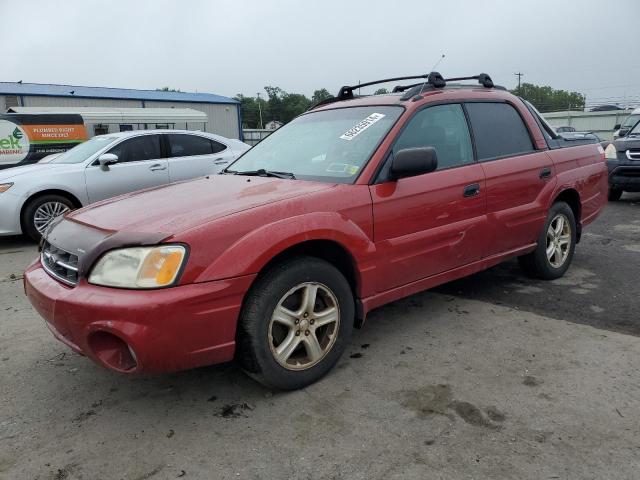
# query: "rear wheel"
295,323
614,194
556,245
41,211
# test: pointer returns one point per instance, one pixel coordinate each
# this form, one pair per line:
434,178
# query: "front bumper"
10,206
134,331
624,176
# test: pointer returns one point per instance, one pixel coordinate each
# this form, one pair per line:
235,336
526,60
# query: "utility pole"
260,111
519,75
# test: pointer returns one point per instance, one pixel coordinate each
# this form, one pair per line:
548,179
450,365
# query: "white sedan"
31,196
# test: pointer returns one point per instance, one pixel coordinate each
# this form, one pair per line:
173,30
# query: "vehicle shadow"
16,241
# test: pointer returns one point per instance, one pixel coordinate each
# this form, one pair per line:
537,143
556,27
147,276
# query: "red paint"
402,237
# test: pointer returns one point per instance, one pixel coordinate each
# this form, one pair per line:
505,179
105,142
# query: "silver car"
31,196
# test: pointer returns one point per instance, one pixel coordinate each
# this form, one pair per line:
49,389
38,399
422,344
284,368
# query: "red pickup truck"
356,203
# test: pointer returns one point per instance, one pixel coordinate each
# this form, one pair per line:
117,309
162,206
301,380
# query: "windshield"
80,153
331,145
631,121
636,129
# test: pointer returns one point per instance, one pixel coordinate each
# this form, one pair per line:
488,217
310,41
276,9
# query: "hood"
625,143
180,206
9,174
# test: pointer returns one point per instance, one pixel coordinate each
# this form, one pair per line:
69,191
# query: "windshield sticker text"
362,126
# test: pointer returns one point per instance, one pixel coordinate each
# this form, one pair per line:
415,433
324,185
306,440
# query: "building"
602,124
223,113
103,120
273,125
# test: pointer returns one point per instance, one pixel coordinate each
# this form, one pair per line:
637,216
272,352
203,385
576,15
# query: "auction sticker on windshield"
360,127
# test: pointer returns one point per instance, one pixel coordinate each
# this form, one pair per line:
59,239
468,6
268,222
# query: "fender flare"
250,253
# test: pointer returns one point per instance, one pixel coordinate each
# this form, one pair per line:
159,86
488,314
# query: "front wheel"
295,323
614,194
556,245
41,211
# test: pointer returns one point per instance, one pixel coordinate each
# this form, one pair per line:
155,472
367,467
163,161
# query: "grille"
60,264
633,154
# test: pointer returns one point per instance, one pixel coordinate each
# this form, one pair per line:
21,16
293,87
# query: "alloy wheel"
45,214
304,326
558,240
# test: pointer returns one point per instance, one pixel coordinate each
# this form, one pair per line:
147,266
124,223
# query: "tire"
539,264
51,203
614,194
266,337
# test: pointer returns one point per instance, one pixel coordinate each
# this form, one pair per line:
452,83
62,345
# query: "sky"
231,47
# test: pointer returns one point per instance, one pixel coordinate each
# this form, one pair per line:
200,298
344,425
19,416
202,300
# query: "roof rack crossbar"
347,91
433,80
483,79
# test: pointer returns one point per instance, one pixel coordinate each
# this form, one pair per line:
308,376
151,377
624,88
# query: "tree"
279,105
320,95
168,89
250,110
381,91
547,99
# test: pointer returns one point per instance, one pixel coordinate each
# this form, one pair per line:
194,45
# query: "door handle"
471,190
545,173
156,167
220,161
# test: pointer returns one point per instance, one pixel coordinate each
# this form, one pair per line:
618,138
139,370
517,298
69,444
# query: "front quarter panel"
244,243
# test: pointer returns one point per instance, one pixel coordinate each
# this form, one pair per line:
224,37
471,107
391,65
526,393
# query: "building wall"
78,102
223,118
600,123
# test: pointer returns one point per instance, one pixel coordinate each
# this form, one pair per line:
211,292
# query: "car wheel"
614,194
556,245
295,324
40,211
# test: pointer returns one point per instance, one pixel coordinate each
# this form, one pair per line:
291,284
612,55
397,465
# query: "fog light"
112,351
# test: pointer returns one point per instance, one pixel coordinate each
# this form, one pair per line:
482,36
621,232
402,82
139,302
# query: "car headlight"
611,153
5,186
139,267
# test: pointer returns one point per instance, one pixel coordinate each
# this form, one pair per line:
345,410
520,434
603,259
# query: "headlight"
139,267
610,153
5,186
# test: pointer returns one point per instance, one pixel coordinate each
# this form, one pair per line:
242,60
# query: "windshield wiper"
261,172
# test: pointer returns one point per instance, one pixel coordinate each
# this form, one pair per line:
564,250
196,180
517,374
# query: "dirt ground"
435,386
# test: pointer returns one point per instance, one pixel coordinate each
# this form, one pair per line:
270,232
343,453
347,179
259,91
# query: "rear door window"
144,147
218,147
498,130
189,145
442,127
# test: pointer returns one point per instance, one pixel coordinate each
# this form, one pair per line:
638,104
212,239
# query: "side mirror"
107,159
410,162
617,126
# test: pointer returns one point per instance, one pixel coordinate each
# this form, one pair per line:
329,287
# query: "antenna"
433,69
437,63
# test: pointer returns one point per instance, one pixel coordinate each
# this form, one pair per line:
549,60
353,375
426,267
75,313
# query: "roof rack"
433,78
432,81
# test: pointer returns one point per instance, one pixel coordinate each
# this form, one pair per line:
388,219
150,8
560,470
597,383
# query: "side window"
498,130
442,127
218,147
188,145
145,147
